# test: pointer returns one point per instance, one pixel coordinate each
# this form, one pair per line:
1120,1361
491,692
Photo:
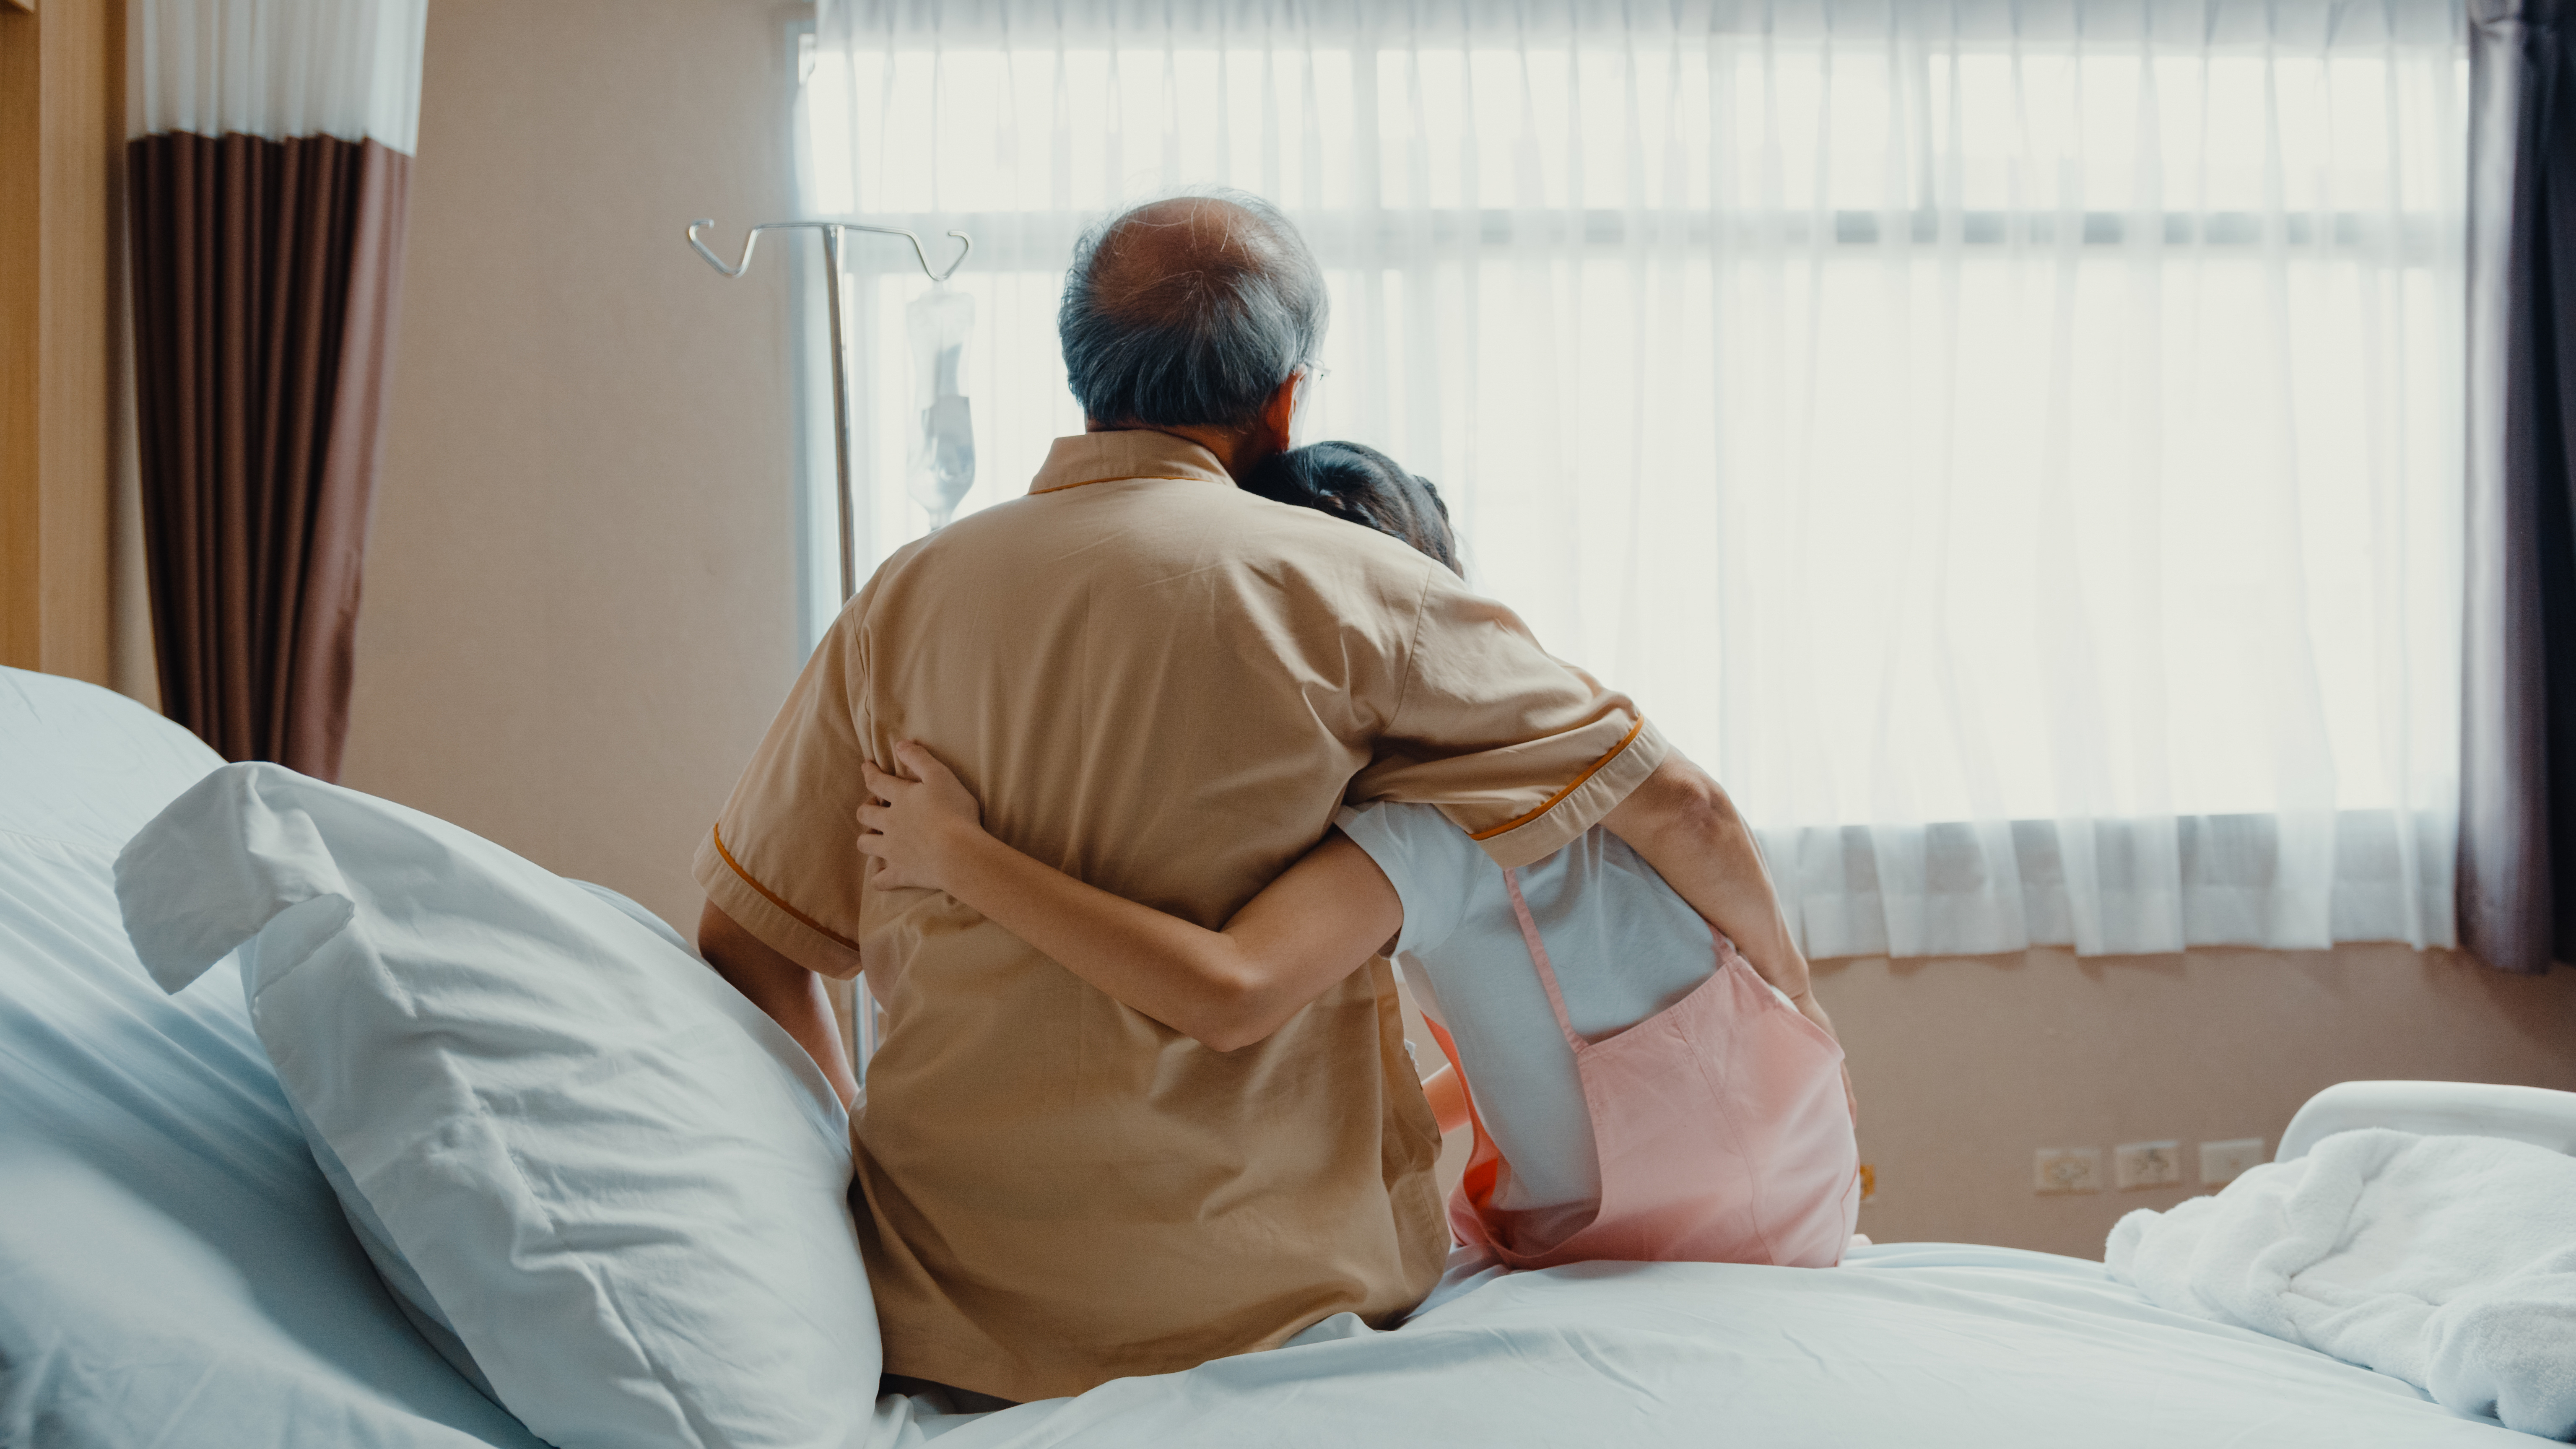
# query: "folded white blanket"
2449,1262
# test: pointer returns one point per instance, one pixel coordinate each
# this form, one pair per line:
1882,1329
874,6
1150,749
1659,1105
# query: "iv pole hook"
751,239
833,232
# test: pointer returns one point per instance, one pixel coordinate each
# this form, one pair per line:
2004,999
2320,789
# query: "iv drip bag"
942,463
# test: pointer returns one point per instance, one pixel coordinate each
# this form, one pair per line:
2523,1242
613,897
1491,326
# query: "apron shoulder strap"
1538,957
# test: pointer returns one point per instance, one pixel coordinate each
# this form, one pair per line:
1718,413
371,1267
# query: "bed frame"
2536,1115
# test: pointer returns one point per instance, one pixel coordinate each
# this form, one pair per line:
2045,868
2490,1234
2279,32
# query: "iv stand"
832,233
863,1025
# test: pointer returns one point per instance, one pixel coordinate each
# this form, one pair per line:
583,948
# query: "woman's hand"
916,824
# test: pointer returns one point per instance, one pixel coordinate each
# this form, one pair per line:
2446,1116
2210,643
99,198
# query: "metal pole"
841,414
861,1002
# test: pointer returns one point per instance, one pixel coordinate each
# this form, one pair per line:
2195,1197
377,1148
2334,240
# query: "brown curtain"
2517,882
265,279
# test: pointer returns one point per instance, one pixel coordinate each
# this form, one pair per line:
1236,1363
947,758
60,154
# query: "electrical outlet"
2223,1162
2146,1164
2067,1169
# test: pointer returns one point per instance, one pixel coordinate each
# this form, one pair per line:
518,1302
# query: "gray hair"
1189,311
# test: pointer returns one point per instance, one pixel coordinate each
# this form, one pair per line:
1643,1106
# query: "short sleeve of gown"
1519,749
782,857
1431,863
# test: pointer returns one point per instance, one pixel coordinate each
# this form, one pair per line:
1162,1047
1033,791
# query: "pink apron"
1721,1124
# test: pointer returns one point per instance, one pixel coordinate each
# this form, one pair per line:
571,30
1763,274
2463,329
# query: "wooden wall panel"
62,140
21,273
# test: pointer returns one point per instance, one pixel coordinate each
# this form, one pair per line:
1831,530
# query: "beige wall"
578,621
1966,1067
577,610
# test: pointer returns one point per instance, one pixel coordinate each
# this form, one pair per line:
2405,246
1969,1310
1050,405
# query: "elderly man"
1165,687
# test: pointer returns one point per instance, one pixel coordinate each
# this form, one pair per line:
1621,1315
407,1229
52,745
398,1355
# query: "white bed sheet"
174,1270
1927,1345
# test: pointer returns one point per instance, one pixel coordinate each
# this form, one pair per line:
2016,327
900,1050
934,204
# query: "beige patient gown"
1166,687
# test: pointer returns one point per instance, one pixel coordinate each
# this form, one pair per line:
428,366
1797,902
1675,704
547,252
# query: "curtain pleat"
265,275
2517,857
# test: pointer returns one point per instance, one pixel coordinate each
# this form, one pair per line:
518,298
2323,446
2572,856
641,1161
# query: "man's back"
1135,695
1160,685
1163,686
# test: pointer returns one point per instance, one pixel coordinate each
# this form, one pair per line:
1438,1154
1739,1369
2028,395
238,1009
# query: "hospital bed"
174,1270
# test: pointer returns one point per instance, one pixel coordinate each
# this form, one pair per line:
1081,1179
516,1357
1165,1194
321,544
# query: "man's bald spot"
1191,311
1166,251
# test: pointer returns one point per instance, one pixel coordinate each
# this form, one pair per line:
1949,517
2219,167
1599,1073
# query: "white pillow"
616,1181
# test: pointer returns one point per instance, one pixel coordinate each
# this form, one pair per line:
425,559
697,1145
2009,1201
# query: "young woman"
1637,1091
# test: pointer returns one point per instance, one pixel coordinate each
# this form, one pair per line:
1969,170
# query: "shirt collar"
1132,453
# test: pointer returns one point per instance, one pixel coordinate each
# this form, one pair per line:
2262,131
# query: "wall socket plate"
2146,1164
2066,1169
2223,1162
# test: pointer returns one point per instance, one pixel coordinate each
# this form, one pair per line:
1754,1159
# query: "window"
2016,448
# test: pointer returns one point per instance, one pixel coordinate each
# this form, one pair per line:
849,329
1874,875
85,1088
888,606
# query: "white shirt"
1625,947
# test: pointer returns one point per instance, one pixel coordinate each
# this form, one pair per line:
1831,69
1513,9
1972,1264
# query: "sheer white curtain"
2016,446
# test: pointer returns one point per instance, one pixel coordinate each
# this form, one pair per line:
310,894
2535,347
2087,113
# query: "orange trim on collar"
1553,800
715,832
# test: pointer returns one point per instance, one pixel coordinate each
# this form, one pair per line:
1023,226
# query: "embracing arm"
1684,826
1682,823
1314,925
792,996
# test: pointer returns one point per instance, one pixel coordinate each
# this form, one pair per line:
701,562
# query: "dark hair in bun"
1358,483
